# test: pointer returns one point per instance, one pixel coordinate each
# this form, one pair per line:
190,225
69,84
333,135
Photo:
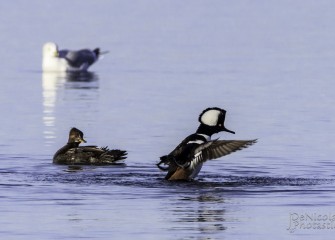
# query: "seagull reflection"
81,80
52,83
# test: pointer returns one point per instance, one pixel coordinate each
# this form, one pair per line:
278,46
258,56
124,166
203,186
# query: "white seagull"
55,60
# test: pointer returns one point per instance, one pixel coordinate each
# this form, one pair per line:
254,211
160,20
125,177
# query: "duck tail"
165,160
113,155
118,154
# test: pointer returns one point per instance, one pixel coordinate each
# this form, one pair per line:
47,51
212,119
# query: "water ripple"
150,178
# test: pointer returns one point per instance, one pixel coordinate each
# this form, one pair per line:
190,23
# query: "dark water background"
270,64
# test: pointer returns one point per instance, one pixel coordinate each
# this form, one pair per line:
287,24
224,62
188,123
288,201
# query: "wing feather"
220,148
93,149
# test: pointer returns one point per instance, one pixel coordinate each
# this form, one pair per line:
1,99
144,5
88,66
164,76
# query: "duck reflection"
203,213
53,84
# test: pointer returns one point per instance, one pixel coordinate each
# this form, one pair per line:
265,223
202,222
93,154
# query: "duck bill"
227,130
83,140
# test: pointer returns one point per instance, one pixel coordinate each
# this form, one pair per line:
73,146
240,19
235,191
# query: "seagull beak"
56,54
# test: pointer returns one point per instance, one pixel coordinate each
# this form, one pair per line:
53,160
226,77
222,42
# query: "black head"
213,118
76,136
96,52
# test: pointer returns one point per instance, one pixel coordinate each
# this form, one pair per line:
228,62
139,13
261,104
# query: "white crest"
210,117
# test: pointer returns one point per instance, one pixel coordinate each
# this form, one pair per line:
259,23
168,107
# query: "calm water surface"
270,64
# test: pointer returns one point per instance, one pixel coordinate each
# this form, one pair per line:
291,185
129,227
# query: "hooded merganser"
55,60
185,161
73,154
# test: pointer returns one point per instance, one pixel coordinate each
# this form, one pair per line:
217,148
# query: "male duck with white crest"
186,160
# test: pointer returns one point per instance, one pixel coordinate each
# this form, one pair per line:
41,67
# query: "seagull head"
50,49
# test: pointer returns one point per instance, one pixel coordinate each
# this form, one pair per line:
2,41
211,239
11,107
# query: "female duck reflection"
54,91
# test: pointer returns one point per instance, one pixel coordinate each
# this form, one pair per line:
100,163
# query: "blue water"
270,64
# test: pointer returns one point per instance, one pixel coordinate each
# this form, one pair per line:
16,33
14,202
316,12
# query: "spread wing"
219,148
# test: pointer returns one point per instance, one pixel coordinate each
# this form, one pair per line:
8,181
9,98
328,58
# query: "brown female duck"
73,154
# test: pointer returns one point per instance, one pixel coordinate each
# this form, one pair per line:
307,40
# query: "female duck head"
76,136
